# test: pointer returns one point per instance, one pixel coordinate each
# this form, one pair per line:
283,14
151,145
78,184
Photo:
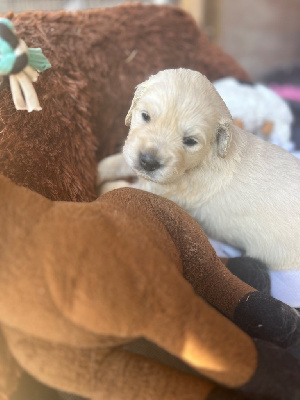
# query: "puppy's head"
177,122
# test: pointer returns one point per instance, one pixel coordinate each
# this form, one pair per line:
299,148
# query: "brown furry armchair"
81,282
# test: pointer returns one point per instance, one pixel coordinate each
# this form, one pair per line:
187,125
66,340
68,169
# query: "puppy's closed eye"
189,141
146,116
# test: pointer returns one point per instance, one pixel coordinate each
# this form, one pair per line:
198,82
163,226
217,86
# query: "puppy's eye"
146,116
189,141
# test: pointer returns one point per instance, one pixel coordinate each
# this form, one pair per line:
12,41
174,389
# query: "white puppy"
183,145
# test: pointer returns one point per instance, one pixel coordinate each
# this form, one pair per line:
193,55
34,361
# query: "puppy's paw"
112,168
106,170
109,186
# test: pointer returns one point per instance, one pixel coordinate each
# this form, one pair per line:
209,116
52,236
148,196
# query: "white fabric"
285,286
224,250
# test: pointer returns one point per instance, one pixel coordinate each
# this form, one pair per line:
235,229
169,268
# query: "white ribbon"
23,92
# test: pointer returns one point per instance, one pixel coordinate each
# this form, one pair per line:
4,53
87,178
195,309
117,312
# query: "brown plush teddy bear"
82,281
97,59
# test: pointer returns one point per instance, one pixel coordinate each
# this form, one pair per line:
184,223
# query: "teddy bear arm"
101,373
10,371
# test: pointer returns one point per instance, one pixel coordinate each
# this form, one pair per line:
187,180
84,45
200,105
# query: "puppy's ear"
140,89
224,136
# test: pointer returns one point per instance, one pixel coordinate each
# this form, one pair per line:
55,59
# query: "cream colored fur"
241,189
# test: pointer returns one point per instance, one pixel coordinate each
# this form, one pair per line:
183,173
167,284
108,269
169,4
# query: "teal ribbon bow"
11,48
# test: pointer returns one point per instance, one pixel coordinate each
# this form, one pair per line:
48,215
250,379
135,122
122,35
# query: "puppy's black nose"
149,162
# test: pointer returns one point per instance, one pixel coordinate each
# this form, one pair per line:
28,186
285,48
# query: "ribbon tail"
29,92
16,93
23,93
37,60
33,74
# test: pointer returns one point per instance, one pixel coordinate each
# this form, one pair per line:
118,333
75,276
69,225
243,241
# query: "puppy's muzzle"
149,162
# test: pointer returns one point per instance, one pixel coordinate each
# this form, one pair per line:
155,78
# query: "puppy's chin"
164,176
